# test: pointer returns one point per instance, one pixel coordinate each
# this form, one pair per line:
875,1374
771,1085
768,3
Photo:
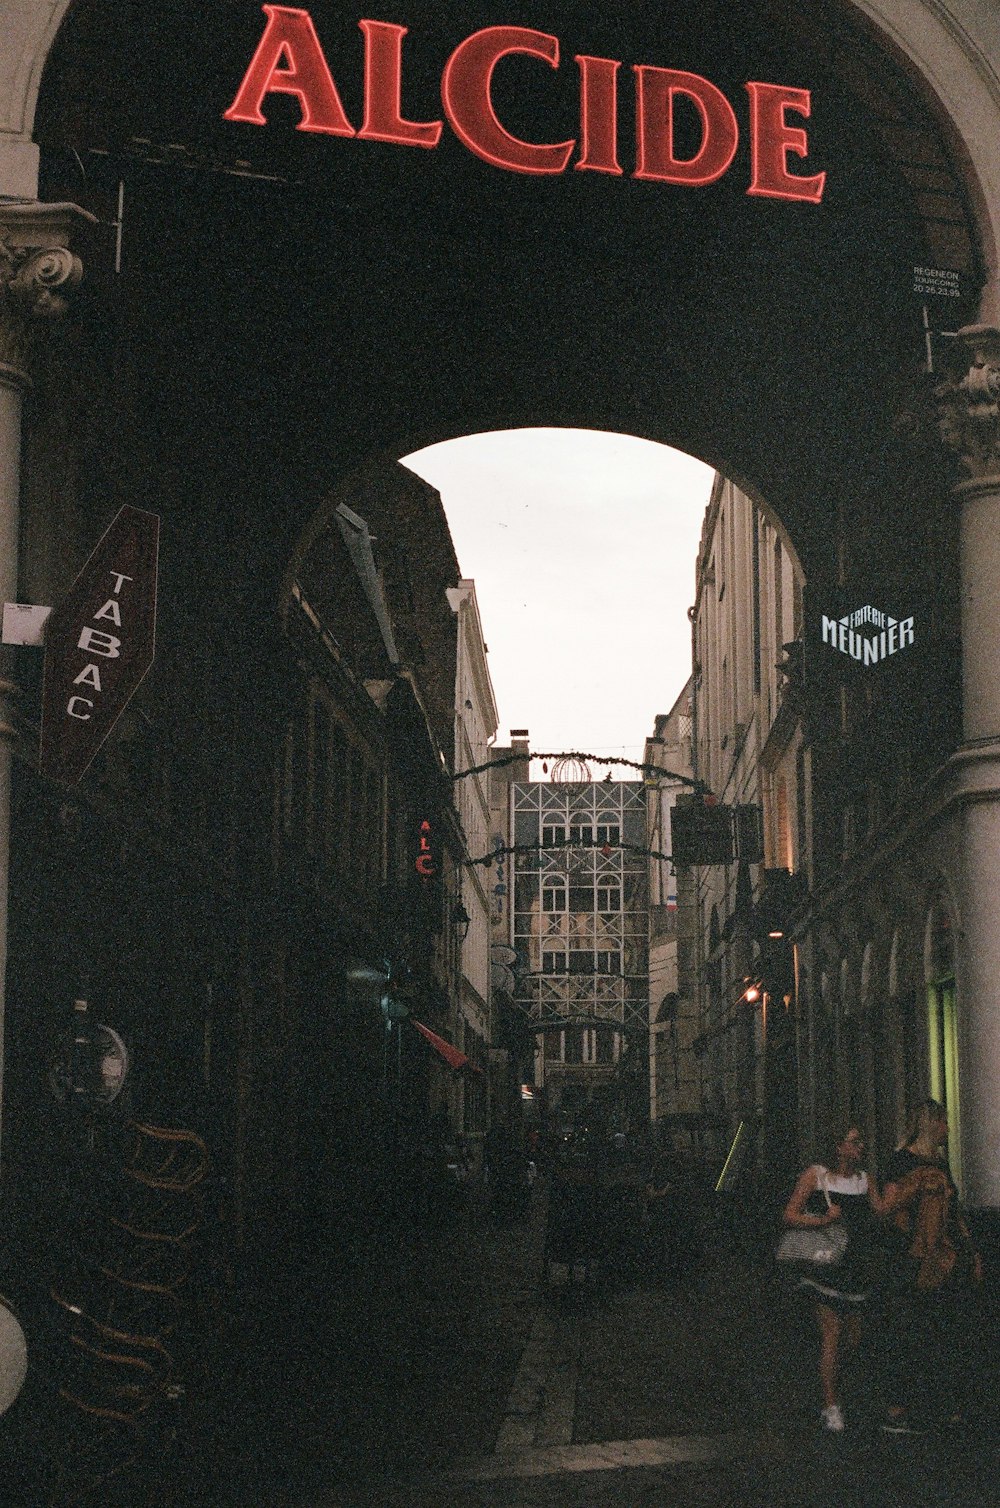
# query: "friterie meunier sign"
290,60
868,634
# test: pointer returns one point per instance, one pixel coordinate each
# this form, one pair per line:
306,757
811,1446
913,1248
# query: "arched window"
940,947
942,1024
825,992
893,970
865,993
824,1051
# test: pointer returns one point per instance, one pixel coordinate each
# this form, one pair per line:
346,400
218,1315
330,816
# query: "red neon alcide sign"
290,60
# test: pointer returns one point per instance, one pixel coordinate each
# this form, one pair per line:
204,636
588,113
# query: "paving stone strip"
613,1455
542,1402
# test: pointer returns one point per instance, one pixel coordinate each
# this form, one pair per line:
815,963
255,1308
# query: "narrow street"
478,1388
498,667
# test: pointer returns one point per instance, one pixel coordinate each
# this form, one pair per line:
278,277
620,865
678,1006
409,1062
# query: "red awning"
451,1054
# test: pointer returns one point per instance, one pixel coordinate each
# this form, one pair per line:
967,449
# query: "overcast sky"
582,546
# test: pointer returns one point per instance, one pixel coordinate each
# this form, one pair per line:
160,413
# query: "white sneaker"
832,1419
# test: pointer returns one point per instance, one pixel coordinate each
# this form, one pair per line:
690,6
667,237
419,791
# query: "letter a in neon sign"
290,39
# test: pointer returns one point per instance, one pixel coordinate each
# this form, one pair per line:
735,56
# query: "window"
604,1046
320,777
553,960
554,895
373,803
352,802
581,832
296,774
609,895
338,794
609,962
610,833
572,1045
553,833
783,853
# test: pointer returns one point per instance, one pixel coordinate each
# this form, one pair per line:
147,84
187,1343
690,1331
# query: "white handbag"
819,1246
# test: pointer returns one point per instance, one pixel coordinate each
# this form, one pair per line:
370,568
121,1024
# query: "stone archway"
707,412
951,48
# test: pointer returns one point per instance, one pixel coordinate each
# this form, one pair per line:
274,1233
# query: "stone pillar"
969,399
36,271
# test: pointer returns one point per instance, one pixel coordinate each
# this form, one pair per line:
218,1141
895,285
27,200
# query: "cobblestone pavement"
470,1383
701,1397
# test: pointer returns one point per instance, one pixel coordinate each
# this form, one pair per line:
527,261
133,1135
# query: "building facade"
749,751
579,928
475,730
830,976
676,1093
368,848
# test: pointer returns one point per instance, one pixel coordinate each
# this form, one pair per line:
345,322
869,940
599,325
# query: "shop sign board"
425,863
848,634
99,644
290,60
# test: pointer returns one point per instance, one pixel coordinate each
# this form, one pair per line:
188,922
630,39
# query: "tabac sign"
99,644
290,60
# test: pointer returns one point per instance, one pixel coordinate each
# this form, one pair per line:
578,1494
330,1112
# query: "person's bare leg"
829,1339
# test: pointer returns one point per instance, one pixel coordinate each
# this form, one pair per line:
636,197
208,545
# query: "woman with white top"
822,1195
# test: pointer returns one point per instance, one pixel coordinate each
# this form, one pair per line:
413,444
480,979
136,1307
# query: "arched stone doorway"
458,298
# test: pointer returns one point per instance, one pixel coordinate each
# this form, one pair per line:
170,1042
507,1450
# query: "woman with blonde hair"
825,1194
935,1268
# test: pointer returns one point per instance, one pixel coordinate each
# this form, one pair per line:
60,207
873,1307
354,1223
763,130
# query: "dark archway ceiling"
344,298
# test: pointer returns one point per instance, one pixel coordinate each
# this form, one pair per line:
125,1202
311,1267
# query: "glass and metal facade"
580,915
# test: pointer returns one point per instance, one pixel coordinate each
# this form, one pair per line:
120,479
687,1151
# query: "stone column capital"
37,271
968,404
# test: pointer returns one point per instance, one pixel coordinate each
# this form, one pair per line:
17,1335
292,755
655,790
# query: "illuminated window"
784,854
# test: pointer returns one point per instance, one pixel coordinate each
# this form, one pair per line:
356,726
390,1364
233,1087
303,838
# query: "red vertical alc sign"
100,642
